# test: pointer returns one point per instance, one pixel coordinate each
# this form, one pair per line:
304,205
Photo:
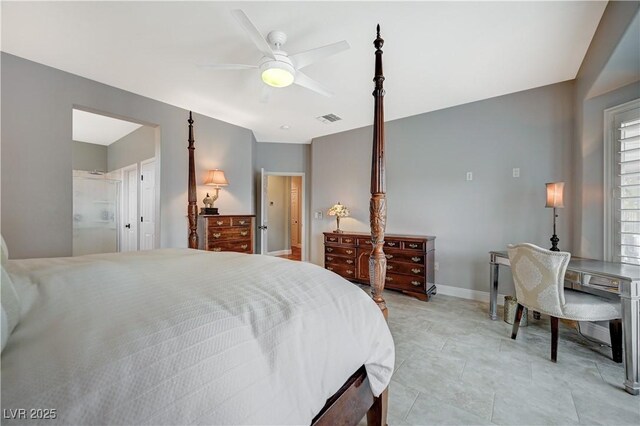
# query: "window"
622,168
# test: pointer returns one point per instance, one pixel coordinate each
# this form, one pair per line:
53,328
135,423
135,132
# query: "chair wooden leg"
516,321
554,339
615,331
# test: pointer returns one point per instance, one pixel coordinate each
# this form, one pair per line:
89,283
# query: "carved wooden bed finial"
192,208
378,203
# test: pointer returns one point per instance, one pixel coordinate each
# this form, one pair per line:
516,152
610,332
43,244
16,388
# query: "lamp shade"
555,194
338,210
216,178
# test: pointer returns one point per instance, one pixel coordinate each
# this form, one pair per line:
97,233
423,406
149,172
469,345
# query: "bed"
183,336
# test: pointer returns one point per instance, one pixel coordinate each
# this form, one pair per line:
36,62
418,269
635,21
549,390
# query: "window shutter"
627,194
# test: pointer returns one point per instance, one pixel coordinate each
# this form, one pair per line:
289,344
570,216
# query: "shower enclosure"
96,213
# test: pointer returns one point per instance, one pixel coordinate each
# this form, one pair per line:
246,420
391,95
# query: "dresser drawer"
228,233
348,272
405,268
242,246
339,261
400,256
218,221
413,245
391,243
404,282
341,251
331,239
240,221
348,241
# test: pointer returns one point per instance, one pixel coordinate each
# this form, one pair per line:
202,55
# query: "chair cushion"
587,307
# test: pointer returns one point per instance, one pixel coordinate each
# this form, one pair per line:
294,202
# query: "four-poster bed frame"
354,399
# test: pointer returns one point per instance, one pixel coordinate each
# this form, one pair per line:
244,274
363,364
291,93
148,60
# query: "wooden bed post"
377,414
192,208
378,203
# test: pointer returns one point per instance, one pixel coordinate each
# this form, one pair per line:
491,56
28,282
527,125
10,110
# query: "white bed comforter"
180,336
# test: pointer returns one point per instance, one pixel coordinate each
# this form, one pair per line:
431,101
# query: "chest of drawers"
229,233
410,260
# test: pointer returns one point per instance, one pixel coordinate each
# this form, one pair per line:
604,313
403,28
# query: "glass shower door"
95,213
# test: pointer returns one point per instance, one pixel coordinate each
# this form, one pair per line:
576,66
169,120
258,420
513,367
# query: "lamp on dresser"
555,192
217,179
338,210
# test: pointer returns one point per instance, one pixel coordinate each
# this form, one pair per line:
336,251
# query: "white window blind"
627,192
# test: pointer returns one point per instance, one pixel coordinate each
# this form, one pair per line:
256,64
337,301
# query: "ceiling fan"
277,67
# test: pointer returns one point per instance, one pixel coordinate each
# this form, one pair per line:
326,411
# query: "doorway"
115,197
282,215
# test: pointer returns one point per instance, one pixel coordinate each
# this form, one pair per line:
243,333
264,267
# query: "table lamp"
555,194
338,210
216,179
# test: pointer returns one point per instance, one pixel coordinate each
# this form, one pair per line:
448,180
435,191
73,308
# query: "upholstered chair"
538,276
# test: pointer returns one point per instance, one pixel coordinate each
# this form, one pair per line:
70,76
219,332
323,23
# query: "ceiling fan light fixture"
278,74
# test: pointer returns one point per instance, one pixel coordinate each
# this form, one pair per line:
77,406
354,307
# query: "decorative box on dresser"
229,233
410,260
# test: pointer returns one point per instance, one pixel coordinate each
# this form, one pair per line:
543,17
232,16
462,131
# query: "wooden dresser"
229,233
410,260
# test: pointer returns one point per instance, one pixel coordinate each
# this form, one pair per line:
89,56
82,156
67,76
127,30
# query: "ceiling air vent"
329,118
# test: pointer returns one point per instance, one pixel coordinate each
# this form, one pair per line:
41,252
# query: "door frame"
303,216
124,197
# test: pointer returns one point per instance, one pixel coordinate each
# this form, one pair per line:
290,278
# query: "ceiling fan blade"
227,66
309,83
253,33
302,59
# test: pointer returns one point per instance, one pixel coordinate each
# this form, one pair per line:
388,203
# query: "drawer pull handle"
217,235
349,261
330,268
413,245
332,239
217,249
389,256
220,222
242,222
347,240
329,249
329,258
243,233
391,244
388,278
349,271
415,259
349,251
244,246
389,267
416,271
416,283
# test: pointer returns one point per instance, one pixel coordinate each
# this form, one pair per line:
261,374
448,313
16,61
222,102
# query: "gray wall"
427,159
135,147
36,143
88,156
588,155
279,189
281,157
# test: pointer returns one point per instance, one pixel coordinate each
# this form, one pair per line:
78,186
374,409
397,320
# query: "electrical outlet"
317,215
516,172
436,266
469,175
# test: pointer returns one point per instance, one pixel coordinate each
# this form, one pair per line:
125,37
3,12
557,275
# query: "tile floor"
454,366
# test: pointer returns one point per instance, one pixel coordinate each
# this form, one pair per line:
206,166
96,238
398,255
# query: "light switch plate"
469,175
317,215
516,172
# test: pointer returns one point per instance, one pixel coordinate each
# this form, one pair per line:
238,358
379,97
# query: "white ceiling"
99,129
437,54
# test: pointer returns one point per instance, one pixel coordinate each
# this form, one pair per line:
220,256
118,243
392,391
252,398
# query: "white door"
129,224
147,205
262,228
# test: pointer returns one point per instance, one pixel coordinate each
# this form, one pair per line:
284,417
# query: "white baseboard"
595,331
465,293
280,253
